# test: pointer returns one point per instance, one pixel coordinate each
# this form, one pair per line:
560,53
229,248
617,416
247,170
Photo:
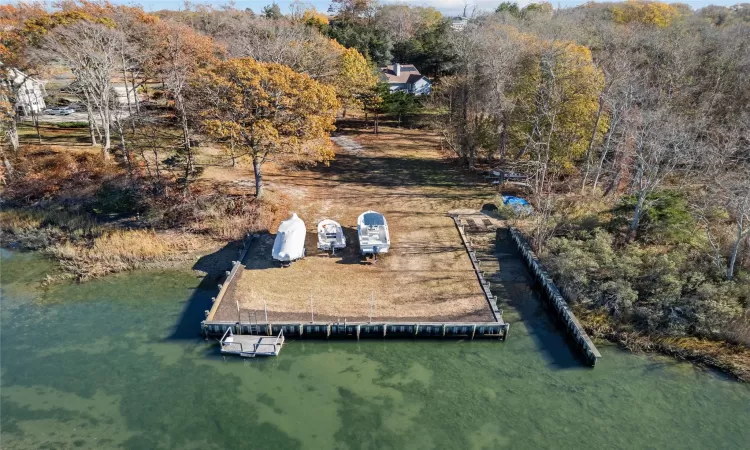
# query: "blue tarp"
518,204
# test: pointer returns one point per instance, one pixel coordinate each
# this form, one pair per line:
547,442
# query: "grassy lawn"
427,276
54,135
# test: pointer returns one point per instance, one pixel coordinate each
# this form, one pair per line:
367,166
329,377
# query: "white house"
406,77
29,92
459,23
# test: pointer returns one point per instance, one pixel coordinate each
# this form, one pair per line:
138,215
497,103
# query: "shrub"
72,124
670,292
666,218
111,198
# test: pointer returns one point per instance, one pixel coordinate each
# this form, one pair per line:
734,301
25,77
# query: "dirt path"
427,275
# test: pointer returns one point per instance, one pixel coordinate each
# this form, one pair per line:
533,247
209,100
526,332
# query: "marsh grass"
733,358
122,250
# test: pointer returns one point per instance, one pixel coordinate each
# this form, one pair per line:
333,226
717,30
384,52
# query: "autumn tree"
354,77
651,13
266,110
180,53
559,91
313,18
14,54
306,51
403,22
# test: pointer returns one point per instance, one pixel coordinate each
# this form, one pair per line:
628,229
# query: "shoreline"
730,359
112,250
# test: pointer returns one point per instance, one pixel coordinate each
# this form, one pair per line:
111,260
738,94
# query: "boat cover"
290,240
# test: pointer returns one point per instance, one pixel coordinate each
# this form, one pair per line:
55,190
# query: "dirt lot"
427,276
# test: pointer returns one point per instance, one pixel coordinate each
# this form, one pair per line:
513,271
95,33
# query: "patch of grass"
53,135
71,125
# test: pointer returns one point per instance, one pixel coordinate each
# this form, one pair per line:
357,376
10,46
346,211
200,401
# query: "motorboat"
330,235
290,241
372,230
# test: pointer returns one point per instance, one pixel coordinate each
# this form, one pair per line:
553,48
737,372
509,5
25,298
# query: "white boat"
372,230
290,240
330,235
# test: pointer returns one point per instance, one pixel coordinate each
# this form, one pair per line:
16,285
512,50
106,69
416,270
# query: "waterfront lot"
427,276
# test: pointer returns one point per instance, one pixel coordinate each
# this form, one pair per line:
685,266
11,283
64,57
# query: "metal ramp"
250,346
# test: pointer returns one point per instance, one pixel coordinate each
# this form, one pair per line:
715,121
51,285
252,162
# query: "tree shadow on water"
214,265
526,299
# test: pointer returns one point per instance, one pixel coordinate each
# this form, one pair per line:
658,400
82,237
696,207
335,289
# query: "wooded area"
631,121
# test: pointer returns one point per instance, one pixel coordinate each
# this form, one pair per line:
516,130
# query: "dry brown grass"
731,358
122,250
427,276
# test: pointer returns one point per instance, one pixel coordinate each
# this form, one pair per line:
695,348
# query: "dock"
230,315
250,346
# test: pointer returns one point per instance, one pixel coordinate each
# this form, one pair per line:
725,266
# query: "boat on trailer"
372,230
330,235
290,241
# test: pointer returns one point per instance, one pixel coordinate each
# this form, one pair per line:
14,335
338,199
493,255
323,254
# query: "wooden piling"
553,294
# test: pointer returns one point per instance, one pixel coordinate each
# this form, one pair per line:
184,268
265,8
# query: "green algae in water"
112,364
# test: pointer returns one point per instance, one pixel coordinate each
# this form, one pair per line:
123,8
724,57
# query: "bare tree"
727,177
294,45
8,128
91,51
661,144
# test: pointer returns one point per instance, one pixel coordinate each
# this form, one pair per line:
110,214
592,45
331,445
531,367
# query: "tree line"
623,98
175,58
632,122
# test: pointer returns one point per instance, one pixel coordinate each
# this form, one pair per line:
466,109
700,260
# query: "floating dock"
250,346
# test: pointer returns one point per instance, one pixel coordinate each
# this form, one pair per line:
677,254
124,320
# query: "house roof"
18,78
409,74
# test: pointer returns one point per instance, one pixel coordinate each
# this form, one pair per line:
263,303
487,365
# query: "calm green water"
114,364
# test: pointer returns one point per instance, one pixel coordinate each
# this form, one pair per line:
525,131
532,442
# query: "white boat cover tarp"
372,230
330,234
290,240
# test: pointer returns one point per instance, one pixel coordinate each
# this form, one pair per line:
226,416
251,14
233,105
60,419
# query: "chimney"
397,69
